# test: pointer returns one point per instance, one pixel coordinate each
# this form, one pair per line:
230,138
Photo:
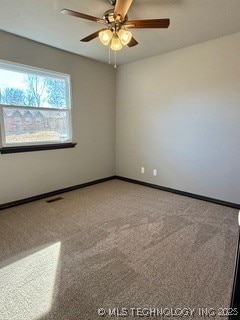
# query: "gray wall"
180,113
177,113
27,174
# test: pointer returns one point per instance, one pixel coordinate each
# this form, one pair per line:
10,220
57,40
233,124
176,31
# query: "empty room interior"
119,159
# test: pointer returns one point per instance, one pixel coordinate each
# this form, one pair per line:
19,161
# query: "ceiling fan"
116,24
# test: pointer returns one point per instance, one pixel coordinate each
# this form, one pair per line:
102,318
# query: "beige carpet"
116,245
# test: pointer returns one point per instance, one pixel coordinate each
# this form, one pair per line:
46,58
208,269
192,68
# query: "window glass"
34,106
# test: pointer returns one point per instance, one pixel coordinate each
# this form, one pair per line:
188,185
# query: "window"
35,106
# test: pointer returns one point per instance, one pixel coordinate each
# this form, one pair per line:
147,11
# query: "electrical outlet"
154,172
142,170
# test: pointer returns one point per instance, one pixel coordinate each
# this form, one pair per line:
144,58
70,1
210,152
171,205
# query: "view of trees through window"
35,108
32,90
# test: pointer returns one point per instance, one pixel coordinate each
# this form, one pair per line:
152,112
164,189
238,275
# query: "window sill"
42,147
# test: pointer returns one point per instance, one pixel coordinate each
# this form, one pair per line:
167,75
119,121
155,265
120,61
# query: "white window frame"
12,66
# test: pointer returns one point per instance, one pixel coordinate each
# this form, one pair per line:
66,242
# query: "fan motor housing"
112,22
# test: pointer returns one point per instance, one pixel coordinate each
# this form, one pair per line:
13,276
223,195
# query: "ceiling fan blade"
132,43
91,36
151,23
121,8
81,15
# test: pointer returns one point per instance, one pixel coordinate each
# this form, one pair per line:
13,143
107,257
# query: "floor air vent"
54,199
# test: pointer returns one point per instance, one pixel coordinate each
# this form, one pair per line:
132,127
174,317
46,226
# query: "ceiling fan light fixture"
125,36
115,33
116,43
105,36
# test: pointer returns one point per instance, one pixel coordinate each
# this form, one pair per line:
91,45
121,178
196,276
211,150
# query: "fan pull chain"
115,59
109,54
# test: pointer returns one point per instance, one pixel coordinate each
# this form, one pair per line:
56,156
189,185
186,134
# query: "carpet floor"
117,249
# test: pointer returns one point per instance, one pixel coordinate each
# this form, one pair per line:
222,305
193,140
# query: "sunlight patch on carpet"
27,285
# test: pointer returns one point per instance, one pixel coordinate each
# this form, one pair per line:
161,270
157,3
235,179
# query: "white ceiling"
192,21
